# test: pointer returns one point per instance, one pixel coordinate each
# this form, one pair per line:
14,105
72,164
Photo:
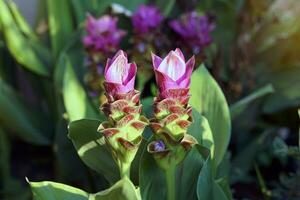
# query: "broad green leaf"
224,185
23,120
208,99
41,51
240,106
122,190
60,23
207,186
18,45
69,166
191,166
200,129
76,101
152,179
48,190
91,148
20,21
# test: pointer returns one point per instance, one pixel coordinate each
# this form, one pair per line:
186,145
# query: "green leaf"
207,187
17,116
69,166
18,45
91,148
122,190
60,23
240,106
42,52
208,99
48,190
200,129
20,21
286,83
152,179
76,101
191,166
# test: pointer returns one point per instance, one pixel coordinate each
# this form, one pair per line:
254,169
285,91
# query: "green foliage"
47,190
19,46
240,106
77,103
29,124
91,148
60,23
208,99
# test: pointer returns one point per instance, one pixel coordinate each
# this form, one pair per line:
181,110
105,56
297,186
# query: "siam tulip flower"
125,124
172,114
194,29
173,73
119,74
146,18
103,34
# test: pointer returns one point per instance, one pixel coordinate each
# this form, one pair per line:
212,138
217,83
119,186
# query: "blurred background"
52,55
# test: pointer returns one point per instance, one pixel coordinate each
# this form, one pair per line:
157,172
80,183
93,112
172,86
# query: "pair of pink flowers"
171,73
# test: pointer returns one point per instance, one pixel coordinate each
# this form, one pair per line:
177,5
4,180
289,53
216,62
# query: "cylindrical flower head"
146,18
103,34
194,29
119,74
172,114
125,124
172,73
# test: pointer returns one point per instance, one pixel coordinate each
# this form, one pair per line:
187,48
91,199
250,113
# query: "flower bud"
119,74
172,72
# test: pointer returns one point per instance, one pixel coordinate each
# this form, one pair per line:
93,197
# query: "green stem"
124,169
170,179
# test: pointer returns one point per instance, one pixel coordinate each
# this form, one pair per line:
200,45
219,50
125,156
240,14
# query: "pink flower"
102,34
172,72
119,74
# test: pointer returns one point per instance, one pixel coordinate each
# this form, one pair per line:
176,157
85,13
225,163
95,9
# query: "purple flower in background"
146,18
194,29
102,34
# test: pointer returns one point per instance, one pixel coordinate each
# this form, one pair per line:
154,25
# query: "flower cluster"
172,114
191,32
103,35
146,18
194,29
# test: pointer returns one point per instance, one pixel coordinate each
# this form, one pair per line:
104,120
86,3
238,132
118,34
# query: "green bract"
123,128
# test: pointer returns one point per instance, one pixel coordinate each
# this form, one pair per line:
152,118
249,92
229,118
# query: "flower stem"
124,169
170,179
